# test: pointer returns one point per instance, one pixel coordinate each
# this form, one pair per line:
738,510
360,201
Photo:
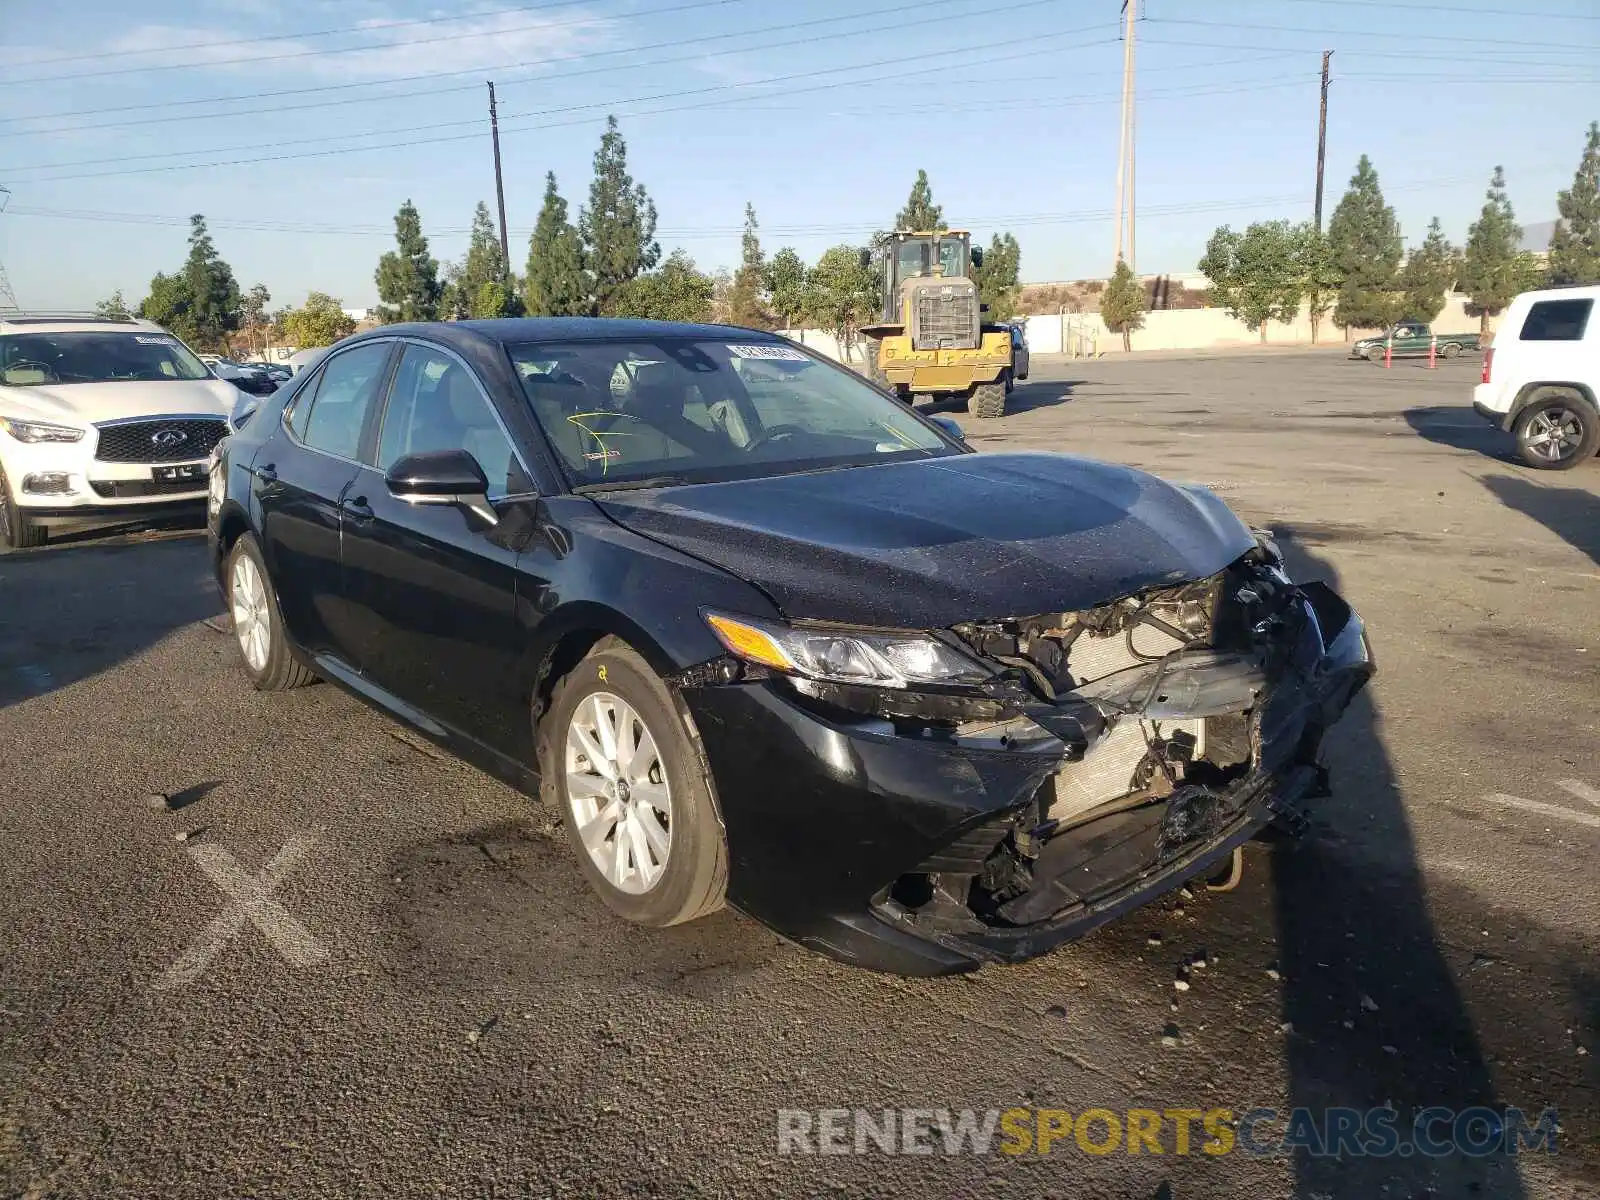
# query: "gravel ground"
339,963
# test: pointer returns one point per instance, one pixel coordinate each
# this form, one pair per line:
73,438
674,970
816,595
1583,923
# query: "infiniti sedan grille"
160,439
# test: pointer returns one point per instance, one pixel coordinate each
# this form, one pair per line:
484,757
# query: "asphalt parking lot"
366,969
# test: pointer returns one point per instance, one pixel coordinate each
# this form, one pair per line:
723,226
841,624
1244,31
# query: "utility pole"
8,298
1125,148
1322,136
499,187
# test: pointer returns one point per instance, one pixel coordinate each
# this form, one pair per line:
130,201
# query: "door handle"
267,474
357,509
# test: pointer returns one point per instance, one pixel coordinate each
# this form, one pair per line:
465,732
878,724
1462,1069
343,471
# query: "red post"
1433,352
1388,352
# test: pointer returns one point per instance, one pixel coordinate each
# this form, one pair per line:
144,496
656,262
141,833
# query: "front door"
434,587
301,475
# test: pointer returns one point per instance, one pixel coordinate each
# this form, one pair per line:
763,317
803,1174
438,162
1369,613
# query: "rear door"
434,588
1556,342
301,475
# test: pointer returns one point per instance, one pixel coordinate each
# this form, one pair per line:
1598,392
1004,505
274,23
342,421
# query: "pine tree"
1493,271
213,291
114,307
618,226
1122,303
921,214
1575,244
1365,238
786,281
1429,271
554,285
408,277
171,305
745,301
997,278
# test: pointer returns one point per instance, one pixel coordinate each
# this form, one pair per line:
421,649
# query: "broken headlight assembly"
847,656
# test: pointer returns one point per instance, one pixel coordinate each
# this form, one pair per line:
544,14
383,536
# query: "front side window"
436,403
345,391
701,411
1556,321
34,359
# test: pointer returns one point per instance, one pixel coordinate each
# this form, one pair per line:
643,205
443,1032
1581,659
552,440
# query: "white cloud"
490,40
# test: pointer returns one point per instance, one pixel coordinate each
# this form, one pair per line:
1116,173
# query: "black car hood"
931,543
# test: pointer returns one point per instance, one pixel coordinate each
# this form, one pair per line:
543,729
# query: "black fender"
1529,390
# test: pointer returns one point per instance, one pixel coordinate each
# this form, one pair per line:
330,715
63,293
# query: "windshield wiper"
628,485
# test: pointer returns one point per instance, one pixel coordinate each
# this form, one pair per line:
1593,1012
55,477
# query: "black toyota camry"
764,636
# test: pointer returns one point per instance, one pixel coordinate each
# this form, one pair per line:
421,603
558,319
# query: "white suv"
102,421
1541,379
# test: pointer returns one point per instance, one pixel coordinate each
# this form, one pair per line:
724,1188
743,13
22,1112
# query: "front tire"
987,400
617,758
16,531
257,623
1556,432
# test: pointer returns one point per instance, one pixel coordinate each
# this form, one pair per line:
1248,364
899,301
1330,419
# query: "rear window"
1556,321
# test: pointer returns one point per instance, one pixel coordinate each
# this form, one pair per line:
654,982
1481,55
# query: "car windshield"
28,359
698,411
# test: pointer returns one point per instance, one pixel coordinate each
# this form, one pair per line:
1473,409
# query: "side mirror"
866,259
951,427
450,477
977,256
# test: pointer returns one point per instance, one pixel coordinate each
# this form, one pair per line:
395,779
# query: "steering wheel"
29,362
771,434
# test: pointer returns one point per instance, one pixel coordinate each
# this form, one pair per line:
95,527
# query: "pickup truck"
1410,339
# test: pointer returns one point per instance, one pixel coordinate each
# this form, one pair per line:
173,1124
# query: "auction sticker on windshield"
154,341
783,352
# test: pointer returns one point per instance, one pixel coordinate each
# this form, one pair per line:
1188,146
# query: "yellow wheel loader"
932,340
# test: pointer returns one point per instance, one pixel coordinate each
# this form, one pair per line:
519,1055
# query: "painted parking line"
1545,810
251,904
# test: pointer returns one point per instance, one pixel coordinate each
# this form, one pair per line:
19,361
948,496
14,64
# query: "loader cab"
944,254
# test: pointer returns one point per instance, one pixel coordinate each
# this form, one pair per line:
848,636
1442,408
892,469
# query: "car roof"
64,322
512,330
1586,292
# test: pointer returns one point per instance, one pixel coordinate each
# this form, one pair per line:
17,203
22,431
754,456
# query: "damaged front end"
1186,718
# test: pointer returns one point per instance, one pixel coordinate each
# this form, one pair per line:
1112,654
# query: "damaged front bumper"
933,847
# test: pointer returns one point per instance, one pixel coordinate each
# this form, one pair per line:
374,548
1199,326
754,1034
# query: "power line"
1453,9
819,229
1426,37
699,42
1033,41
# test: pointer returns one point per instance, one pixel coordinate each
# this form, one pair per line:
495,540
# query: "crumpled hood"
929,544
86,403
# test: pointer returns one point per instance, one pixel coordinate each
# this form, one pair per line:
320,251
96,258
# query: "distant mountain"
1537,237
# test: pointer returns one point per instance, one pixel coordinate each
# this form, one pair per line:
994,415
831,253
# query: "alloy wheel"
252,623
618,795
1554,434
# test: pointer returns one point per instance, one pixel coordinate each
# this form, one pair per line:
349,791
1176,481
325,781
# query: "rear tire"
987,400
257,623
1556,432
16,531
1450,350
612,702
875,373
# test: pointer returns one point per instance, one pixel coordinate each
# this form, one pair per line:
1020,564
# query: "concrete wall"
1084,334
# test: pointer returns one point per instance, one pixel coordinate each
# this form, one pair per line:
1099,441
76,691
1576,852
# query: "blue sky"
120,120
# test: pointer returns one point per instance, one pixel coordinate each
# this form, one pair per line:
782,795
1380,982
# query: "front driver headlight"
40,431
895,660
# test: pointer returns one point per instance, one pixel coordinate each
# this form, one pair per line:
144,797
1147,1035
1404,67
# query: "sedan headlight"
40,431
895,660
